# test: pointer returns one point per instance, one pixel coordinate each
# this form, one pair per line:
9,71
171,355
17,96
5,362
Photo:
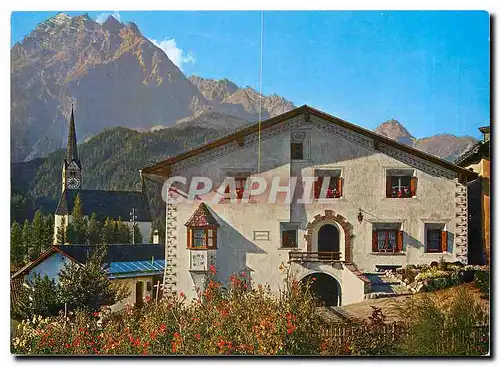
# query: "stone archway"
325,288
329,215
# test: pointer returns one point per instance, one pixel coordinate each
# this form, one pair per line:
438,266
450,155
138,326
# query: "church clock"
73,183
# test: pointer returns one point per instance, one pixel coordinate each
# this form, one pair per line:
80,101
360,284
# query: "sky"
427,69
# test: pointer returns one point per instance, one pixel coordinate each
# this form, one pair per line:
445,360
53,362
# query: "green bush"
482,282
435,329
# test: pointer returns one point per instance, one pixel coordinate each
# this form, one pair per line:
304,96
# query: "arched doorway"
329,240
325,288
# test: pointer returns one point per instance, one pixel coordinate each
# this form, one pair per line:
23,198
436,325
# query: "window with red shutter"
328,184
400,183
387,238
434,238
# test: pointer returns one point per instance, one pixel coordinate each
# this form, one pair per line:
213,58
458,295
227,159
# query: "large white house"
384,205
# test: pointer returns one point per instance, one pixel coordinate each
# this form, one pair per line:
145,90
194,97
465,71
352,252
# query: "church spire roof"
72,150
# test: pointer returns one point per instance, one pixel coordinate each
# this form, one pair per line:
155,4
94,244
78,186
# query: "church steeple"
72,167
72,149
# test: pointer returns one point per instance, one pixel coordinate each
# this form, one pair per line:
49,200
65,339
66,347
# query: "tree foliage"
37,297
87,287
17,251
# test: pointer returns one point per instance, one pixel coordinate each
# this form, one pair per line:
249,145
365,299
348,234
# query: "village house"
477,159
129,206
377,204
139,267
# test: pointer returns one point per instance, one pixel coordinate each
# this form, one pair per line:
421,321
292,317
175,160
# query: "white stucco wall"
363,170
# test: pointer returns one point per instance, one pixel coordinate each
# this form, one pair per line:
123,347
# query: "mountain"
114,76
444,146
227,98
111,72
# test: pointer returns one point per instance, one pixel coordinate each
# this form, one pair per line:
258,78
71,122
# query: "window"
328,184
387,238
240,180
401,183
297,152
436,238
202,238
289,234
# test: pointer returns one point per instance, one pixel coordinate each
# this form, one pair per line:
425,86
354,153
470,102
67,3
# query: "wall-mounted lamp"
360,216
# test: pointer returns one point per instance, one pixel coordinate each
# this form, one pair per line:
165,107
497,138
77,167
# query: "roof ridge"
158,168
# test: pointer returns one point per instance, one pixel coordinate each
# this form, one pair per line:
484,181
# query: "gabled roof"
202,218
121,258
113,204
163,168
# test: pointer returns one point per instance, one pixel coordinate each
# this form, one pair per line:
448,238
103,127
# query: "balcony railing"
314,256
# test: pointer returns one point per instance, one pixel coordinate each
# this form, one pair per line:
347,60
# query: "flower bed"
425,278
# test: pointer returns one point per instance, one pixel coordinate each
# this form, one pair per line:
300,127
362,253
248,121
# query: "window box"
401,183
328,184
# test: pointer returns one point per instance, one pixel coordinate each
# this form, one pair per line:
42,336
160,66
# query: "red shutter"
413,186
388,187
339,187
317,187
444,241
374,241
189,233
399,241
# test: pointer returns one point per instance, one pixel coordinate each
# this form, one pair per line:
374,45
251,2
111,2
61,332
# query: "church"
376,204
104,203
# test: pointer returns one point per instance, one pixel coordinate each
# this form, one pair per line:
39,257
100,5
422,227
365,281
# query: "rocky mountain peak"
393,129
112,25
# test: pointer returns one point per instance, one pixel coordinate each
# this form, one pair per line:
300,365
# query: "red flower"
96,314
162,327
176,335
243,274
197,336
212,269
314,278
67,346
182,294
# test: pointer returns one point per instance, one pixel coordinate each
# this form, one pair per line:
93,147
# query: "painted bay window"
401,183
387,238
328,184
436,238
202,238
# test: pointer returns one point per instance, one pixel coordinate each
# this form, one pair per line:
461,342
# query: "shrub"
482,282
438,329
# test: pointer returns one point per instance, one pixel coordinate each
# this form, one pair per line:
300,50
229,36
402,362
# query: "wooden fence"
396,332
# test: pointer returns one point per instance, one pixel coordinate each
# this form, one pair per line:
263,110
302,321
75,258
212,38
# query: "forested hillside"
110,160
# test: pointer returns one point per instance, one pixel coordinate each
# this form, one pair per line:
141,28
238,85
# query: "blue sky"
429,70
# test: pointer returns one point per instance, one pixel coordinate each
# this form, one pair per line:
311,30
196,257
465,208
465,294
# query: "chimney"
156,237
486,133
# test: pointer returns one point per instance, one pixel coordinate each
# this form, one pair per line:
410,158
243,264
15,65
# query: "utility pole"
133,217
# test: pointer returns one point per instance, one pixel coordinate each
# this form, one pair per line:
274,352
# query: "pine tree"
37,233
79,222
48,232
108,234
71,236
137,238
88,287
94,230
27,238
124,236
16,245
61,232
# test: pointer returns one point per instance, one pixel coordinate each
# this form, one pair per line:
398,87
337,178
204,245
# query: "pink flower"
182,294
197,336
